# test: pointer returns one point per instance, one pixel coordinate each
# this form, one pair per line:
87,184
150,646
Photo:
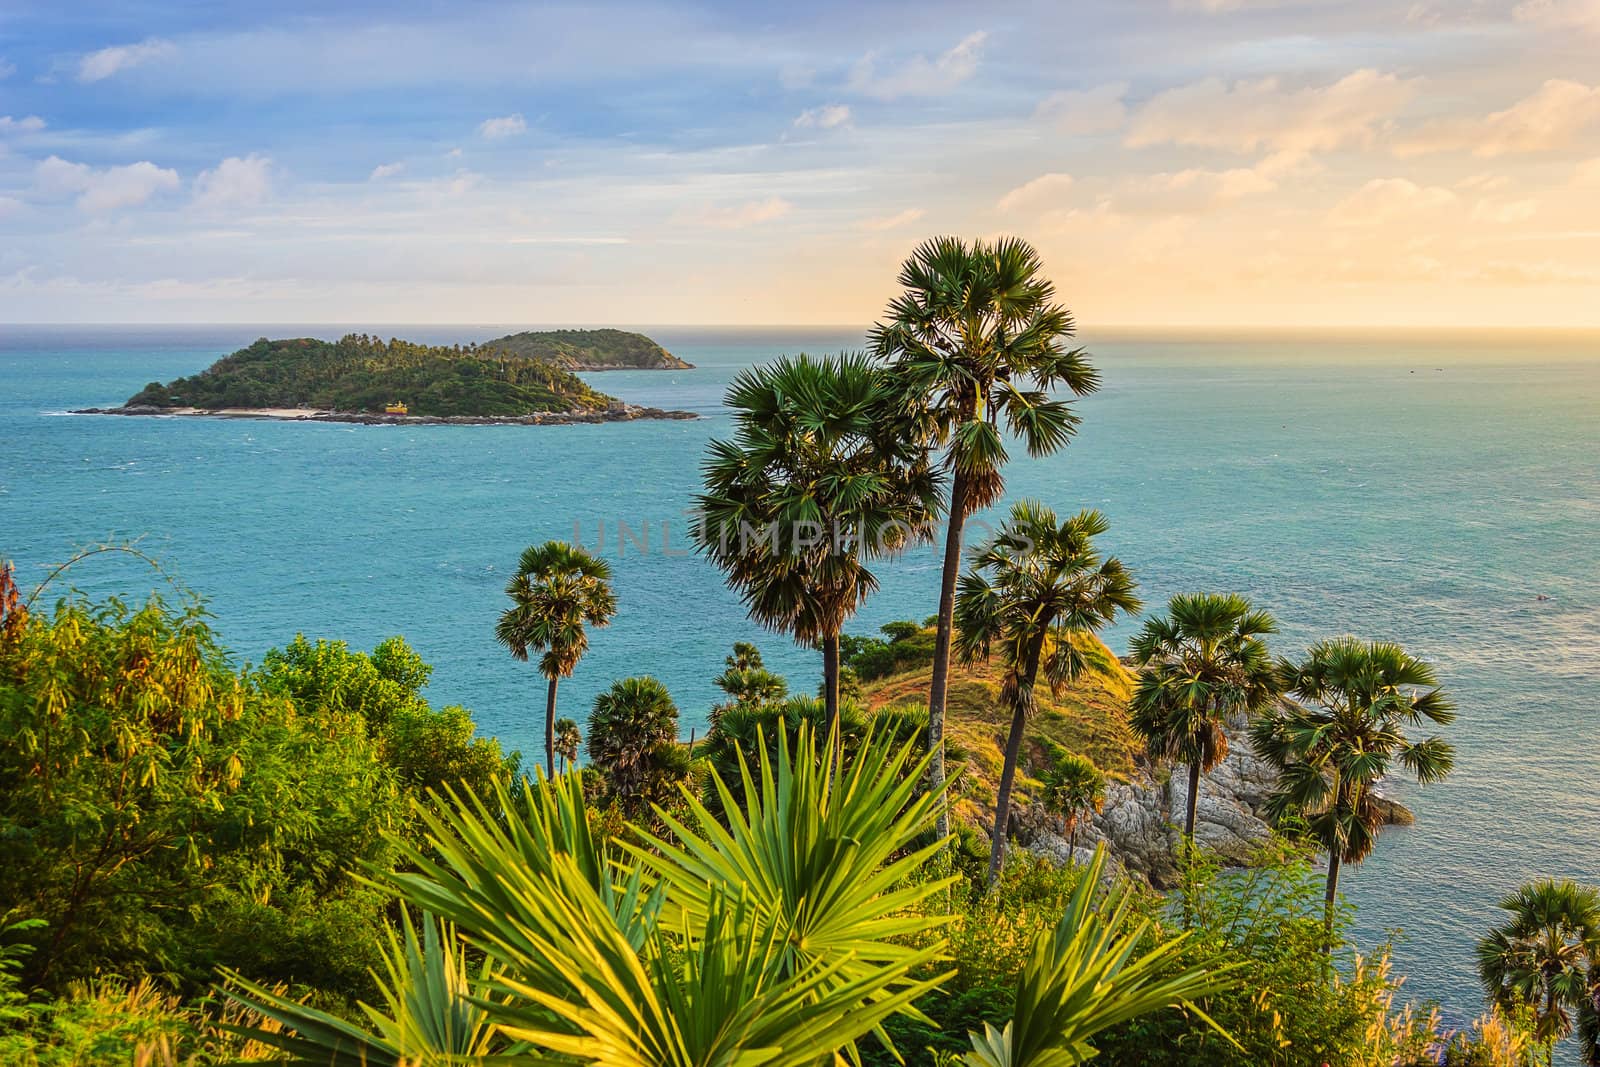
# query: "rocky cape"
1141,823
615,413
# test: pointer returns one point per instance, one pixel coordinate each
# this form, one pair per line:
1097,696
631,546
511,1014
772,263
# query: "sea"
1437,489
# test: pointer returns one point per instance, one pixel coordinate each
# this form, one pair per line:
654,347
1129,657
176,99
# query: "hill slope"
1089,718
358,373
589,350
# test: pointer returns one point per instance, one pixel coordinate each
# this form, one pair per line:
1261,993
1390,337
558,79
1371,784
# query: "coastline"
620,413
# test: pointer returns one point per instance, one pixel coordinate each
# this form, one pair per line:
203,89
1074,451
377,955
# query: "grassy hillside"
1089,718
360,373
589,349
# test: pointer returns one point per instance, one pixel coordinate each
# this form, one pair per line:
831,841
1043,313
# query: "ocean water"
1421,487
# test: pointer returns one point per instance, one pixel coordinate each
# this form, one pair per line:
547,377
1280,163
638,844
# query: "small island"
590,350
360,378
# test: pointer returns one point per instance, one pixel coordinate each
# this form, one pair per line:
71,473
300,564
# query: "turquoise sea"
1441,490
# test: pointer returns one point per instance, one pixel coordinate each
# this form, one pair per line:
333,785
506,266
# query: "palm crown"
1346,730
978,340
1545,959
1034,588
557,593
1202,663
815,481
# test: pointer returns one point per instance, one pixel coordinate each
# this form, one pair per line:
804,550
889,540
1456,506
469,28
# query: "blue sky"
1176,161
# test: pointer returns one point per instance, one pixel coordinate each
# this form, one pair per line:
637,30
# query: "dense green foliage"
161,813
908,647
364,374
587,349
633,742
1542,963
783,936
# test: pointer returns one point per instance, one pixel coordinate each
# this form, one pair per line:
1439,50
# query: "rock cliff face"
1142,821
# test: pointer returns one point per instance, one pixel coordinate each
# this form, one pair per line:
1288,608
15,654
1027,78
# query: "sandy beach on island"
620,413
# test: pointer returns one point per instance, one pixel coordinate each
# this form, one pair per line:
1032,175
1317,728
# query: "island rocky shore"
615,413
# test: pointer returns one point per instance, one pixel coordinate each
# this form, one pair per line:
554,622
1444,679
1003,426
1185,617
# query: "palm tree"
630,723
781,937
747,681
1073,789
558,591
1037,587
567,741
977,344
816,482
1343,731
1203,663
1545,959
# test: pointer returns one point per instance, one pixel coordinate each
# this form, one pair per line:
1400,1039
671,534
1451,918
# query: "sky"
1176,162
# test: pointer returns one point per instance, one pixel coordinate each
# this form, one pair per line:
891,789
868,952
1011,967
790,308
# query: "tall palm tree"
1202,663
630,723
816,482
978,343
559,591
1343,731
1545,960
1038,585
1074,789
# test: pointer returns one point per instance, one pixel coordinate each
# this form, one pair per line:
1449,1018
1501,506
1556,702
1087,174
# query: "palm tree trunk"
1002,802
830,695
550,730
1194,796
941,643
1072,843
1332,895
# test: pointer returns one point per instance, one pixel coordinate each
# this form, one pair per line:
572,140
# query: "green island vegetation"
589,350
364,374
304,862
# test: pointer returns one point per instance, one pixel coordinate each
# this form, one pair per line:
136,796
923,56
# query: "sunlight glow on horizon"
1276,164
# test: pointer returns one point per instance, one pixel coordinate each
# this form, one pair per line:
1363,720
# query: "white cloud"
234,182
505,126
739,216
1077,112
105,189
1219,7
1553,118
6,68
920,76
1188,192
1560,14
385,170
1384,200
796,77
29,124
824,118
1504,212
893,222
97,66
1046,191
1247,116
9,205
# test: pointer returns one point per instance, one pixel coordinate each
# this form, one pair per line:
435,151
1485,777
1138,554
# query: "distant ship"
396,409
